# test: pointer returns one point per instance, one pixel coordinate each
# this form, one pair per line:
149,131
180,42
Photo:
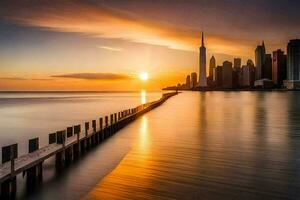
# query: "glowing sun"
144,76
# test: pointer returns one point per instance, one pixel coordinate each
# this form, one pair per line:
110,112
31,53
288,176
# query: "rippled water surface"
213,145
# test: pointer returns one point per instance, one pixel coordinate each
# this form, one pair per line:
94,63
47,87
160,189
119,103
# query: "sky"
105,44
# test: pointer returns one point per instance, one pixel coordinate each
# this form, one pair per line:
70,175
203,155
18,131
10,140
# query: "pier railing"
66,145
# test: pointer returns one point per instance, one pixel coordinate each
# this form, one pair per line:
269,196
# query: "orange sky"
54,38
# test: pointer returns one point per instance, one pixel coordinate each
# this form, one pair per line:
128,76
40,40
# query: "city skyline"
55,50
276,70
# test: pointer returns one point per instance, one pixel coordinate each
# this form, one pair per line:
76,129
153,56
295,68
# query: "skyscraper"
293,64
212,66
237,64
227,74
279,71
236,76
202,64
248,74
193,80
188,82
218,77
260,60
268,67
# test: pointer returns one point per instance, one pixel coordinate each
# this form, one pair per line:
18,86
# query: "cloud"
110,48
95,76
101,20
41,79
234,26
13,78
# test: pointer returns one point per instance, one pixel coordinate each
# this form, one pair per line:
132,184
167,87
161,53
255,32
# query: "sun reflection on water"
143,97
144,135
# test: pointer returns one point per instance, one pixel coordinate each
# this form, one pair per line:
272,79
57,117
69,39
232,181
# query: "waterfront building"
188,82
268,67
218,77
260,59
248,74
279,68
193,80
264,84
227,74
237,62
202,64
212,66
293,65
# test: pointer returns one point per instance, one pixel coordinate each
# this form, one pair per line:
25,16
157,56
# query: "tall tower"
260,61
212,66
202,64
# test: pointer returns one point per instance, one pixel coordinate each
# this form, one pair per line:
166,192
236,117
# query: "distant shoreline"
70,91
236,90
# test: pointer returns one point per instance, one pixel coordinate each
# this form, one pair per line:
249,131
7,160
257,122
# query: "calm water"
214,145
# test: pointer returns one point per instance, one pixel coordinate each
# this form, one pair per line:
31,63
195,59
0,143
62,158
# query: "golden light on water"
143,97
144,136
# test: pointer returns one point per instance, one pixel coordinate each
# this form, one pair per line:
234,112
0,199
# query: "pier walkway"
65,145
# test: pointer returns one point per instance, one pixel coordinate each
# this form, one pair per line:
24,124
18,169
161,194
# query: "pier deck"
16,165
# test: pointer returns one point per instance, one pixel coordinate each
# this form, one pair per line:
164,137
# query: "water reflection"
214,145
143,97
144,135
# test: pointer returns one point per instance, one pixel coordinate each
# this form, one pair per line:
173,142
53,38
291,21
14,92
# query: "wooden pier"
65,145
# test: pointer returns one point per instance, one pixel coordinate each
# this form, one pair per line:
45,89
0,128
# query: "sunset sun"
144,76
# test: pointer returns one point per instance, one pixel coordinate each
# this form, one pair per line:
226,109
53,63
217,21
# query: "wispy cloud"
110,48
41,79
13,78
94,76
97,20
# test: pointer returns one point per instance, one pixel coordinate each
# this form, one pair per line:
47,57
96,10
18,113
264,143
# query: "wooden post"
111,130
60,156
52,138
76,149
94,138
70,131
87,141
69,150
35,172
101,129
106,127
87,127
9,187
116,122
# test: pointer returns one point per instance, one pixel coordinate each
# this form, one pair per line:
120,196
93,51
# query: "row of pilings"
67,146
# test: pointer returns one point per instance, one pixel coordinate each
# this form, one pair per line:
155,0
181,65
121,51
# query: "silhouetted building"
260,59
248,75
193,80
212,66
202,64
227,74
268,67
237,63
188,82
279,68
218,77
264,84
293,65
